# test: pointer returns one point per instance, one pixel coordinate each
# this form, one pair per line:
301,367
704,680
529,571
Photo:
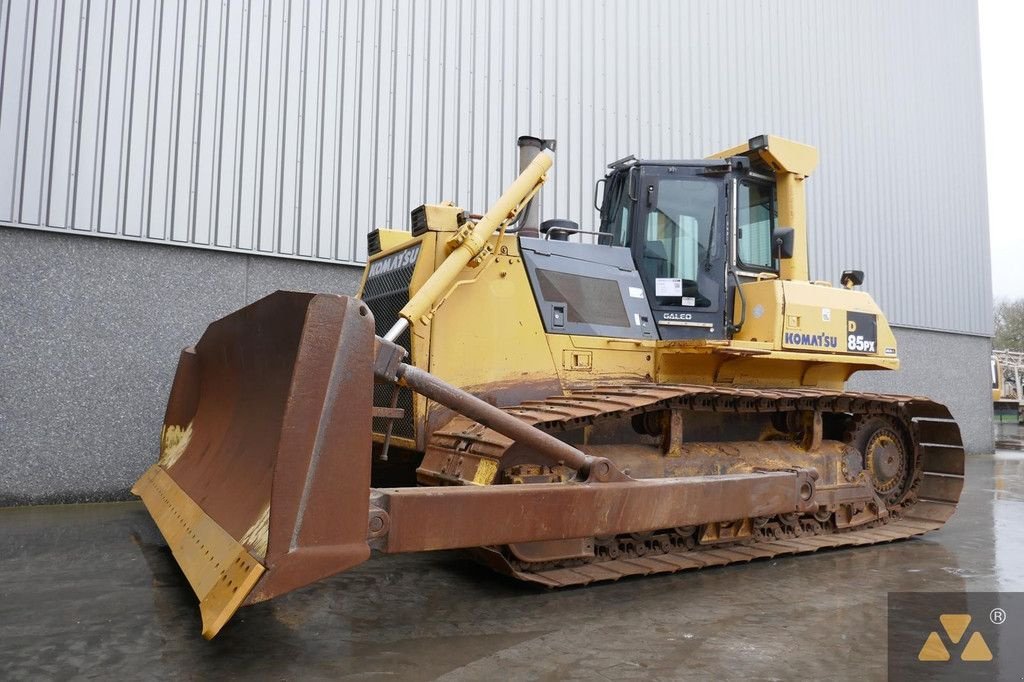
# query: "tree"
1009,325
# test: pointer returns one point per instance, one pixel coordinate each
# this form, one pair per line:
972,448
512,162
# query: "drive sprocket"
885,452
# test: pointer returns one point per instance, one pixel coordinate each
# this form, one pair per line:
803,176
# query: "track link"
929,501
596,570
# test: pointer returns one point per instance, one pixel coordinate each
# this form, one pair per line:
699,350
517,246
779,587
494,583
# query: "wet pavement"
92,591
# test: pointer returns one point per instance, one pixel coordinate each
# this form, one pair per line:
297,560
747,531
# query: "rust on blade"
230,392
265,451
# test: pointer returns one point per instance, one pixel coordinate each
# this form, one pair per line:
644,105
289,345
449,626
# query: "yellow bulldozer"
662,392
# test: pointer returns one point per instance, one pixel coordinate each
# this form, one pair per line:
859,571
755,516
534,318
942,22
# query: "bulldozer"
662,392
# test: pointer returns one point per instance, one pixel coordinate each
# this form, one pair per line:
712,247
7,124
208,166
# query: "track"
929,500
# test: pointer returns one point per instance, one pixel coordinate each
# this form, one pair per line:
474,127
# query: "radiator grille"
386,293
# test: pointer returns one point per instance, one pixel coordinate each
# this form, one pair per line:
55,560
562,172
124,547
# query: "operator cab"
695,229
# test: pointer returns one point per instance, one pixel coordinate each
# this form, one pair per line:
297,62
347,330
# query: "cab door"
679,246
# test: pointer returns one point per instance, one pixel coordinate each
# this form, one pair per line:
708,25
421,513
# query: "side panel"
762,320
584,289
584,360
487,335
824,319
812,318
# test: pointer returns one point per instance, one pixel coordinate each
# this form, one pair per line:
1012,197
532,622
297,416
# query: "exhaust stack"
529,148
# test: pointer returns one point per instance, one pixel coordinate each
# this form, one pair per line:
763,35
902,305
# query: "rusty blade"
266,445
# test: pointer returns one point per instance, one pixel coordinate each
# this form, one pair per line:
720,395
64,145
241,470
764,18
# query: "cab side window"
615,210
756,221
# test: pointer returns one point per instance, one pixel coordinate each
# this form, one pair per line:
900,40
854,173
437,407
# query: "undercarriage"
889,467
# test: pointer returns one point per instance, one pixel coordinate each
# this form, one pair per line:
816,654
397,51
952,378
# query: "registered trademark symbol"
997,616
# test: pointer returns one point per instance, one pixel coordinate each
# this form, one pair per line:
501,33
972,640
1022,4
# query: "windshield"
678,242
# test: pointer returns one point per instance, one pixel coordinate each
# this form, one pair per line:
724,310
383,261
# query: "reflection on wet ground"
1009,436
93,591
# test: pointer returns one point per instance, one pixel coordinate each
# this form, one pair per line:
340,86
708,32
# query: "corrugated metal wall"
291,127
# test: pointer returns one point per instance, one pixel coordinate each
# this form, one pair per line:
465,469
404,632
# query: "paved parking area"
92,591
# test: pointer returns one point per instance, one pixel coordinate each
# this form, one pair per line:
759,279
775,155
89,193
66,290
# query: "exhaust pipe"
529,148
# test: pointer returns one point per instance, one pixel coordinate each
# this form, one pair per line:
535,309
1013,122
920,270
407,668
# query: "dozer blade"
262,485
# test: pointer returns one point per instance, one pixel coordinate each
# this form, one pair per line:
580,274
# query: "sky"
1002,73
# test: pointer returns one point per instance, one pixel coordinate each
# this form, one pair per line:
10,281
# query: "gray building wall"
271,136
92,329
292,128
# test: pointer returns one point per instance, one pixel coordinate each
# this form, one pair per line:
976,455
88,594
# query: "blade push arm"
389,367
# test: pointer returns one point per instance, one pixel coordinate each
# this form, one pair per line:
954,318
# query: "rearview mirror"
559,230
782,242
852,278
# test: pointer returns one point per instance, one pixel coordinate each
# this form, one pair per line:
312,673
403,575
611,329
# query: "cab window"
615,212
677,242
756,221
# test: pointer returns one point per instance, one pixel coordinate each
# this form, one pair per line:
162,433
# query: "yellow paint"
258,535
392,239
998,390
444,217
792,163
486,470
933,649
500,337
173,442
608,358
219,569
765,313
955,625
976,649
812,309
